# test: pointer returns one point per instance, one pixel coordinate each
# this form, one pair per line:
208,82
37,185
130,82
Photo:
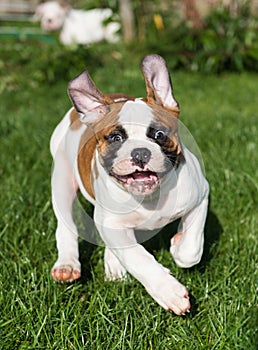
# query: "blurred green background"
221,40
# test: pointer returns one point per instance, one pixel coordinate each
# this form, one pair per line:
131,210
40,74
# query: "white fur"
77,26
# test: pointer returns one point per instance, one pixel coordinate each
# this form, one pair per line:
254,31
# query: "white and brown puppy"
125,156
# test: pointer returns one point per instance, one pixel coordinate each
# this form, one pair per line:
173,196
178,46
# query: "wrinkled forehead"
135,117
138,114
135,112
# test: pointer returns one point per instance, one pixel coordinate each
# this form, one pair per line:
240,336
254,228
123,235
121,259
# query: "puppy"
77,26
125,155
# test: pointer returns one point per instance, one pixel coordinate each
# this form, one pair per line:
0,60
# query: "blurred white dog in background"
77,26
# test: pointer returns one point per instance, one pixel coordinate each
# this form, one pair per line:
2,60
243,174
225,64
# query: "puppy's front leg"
157,280
67,267
187,245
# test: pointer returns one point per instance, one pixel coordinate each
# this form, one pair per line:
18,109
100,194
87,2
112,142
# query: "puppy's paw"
171,295
114,270
115,274
65,273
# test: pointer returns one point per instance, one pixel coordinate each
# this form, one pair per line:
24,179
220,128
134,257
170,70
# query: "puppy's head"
51,14
137,139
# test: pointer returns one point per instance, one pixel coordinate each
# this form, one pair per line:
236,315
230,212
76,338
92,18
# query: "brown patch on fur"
93,138
85,156
75,120
106,125
169,118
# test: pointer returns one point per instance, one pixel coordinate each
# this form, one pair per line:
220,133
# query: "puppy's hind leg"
64,188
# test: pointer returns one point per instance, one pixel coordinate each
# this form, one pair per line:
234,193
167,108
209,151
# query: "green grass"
36,313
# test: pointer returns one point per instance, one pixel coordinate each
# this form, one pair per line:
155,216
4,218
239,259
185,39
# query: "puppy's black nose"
140,156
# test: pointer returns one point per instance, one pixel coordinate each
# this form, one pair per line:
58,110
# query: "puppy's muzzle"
140,156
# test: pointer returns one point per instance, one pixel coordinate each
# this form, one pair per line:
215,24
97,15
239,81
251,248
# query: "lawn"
37,313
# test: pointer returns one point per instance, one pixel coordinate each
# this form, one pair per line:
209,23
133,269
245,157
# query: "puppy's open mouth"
139,182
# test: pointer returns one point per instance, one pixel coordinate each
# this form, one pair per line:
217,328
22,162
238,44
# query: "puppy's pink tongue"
140,179
144,176
140,176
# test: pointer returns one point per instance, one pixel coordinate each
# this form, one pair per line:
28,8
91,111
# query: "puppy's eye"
116,138
160,136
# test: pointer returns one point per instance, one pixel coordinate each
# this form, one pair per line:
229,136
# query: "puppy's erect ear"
158,82
89,102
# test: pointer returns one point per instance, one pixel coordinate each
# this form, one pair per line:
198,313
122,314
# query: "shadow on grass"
212,232
86,251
